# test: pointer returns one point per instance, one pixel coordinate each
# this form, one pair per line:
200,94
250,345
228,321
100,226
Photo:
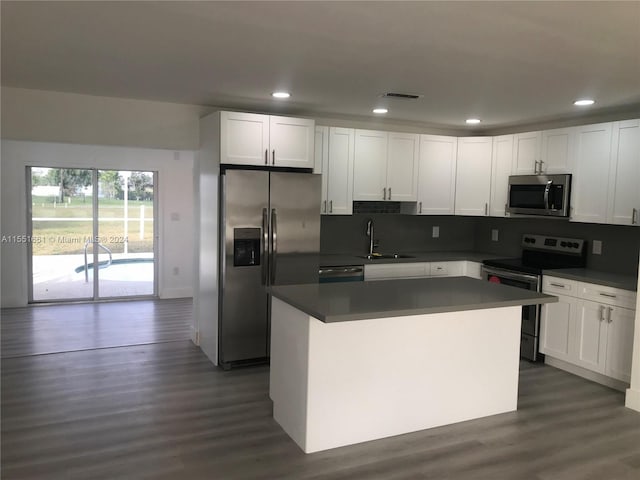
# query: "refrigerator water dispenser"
246,247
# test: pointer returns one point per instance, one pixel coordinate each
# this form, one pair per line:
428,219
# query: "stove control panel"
553,244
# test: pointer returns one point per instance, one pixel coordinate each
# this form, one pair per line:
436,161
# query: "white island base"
336,384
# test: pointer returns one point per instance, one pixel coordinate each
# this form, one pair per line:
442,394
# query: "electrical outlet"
175,217
435,231
176,271
494,234
597,247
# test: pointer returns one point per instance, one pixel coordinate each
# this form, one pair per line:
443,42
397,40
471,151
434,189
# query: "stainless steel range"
539,252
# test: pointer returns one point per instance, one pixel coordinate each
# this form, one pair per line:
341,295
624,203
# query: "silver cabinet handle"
607,295
324,207
541,169
384,193
486,209
609,310
535,169
273,157
420,208
634,217
330,206
601,309
266,157
389,193
558,285
265,244
274,244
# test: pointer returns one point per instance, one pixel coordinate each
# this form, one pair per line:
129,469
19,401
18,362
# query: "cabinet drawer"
607,295
560,285
446,269
389,271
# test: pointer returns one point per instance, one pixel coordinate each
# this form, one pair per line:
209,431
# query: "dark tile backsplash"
397,233
620,244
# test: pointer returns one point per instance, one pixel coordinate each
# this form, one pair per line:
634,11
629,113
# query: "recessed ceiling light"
584,102
380,110
473,121
280,94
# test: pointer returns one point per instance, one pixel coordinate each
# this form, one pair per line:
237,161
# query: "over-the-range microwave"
545,195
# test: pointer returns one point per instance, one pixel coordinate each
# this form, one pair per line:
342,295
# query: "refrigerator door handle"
265,244
274,244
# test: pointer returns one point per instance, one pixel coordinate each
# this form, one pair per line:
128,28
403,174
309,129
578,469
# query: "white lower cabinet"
391,271
557,327
595,335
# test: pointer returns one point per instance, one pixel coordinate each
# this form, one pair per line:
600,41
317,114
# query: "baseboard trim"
588,374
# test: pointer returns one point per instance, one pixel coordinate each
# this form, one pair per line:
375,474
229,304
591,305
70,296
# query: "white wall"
86,119
175,206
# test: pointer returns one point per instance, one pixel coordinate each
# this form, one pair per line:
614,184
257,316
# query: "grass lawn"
68,237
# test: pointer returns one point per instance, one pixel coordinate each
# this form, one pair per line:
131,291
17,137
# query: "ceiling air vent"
406,96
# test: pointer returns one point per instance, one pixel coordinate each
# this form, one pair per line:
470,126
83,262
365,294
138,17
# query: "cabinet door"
526,153
473,178
402,167
291,142
557,329
590,181
557,146
624,185
340,171
321,162
370,165
500,171
591,333
437,175
244,138
620,342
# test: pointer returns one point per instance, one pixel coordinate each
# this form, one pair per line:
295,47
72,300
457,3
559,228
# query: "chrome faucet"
370,233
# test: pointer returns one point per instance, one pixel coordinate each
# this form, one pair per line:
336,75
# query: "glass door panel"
61,211
126,233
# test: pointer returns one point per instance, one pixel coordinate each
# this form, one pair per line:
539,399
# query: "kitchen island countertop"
340,302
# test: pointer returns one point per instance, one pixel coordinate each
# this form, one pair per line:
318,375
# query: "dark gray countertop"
626,282
353,259
340,302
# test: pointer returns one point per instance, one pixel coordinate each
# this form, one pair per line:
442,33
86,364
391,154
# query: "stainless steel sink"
385,256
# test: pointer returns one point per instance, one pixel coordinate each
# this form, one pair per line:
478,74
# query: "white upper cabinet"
370,165
402,167
385,166
254,139
590,182
624,183
473,179
339,171
437,175
321,162
321,152
500,171
244,138
557,150
526,153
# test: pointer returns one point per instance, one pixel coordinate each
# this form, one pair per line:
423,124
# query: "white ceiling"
507,63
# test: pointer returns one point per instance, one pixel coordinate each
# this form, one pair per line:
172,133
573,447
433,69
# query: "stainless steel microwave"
546,195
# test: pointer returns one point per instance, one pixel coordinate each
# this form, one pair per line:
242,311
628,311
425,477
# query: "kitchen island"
353,362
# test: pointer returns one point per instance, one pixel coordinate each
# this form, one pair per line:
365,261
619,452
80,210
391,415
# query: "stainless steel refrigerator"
270,235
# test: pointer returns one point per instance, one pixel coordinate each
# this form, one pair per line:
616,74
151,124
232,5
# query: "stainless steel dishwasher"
346,273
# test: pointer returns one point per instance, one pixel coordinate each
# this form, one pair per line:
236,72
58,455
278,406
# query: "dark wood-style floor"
163,411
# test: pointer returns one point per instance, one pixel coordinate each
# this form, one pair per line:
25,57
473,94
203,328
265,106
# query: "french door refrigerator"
270,235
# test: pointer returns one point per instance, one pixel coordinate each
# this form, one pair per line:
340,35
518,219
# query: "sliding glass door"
93,234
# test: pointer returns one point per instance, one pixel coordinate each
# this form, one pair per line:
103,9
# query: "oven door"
530,313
